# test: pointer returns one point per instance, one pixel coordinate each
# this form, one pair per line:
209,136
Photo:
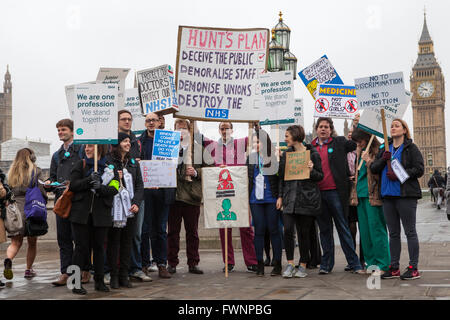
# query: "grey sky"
50,44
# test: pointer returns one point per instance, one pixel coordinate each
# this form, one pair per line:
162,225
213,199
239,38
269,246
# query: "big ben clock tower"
428,104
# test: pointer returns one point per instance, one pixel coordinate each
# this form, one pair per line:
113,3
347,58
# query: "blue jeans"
154,227
136,259
266,216
332,208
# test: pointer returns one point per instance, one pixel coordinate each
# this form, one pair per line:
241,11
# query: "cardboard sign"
370,119
133,104
380,90
95,114
225,197
159,173
217,72
166,145
277,98
297,165
321,71
157,90
114,76
336,101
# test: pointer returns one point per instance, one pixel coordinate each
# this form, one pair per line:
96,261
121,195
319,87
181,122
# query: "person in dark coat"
400,199
91,212
335,192
301,202
263,194
437,186
120,239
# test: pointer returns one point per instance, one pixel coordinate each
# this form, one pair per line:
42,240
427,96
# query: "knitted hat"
122,136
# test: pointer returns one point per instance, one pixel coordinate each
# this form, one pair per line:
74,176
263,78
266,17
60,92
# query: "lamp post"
275,55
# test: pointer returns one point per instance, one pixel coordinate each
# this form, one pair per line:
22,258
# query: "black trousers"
303,225
83,235
118,250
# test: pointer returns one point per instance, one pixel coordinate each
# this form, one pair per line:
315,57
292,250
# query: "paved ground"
434,235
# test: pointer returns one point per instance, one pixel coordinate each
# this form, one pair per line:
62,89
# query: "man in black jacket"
437,186
63,160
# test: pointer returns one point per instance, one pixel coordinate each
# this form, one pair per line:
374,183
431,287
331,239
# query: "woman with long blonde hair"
20,174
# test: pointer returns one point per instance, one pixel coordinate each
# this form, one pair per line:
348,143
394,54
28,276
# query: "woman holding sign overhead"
91,211
300,199
400,166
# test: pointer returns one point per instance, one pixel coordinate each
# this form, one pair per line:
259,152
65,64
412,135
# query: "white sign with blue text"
166,145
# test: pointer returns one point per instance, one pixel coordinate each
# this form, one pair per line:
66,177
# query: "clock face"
425,89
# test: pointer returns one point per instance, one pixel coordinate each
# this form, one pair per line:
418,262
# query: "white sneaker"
300,273
107,278
289,271
141,276
153,267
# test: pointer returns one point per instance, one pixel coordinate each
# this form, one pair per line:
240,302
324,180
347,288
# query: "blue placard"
216,113
166,144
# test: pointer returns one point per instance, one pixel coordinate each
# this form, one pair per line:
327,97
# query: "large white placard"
370,120
225,197
380,90
70,96
95,114
277,98
116,76
217,72
159,173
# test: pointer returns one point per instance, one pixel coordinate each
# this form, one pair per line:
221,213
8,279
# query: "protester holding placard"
263,194
366,196
300,199
157,204
125,119
400,166
187,205
91,211
120,239
22,174
335,192
228,151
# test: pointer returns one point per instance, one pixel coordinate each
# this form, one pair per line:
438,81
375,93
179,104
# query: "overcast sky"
50,44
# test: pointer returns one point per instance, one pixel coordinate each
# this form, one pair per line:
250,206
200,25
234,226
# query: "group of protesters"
351,183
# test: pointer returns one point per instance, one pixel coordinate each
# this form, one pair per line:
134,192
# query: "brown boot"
62,280
163,273
85,277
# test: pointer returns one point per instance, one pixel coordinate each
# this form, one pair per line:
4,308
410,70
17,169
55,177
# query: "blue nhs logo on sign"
216,113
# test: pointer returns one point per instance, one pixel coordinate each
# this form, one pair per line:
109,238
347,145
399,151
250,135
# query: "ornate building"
428,104
6,108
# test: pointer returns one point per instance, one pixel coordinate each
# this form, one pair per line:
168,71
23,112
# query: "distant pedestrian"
437,186
400,199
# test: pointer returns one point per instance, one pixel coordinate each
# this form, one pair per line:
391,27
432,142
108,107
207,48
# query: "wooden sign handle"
367,150
226,252
385,135
95,158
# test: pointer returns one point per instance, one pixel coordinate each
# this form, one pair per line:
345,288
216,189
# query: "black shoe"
101,286
230,268
171,269
260,269
81,291
267,262
276,271
311,266
252,268
2,284
7,272
125,282
114,282
348,268
195,270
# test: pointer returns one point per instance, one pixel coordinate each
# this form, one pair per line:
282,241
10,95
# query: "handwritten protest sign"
166,145
297,165
321,71
277,98
95,114
225,196
380,90
159,173
70,96
157,90
336,101
217,72
370,119
114,76
133,105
